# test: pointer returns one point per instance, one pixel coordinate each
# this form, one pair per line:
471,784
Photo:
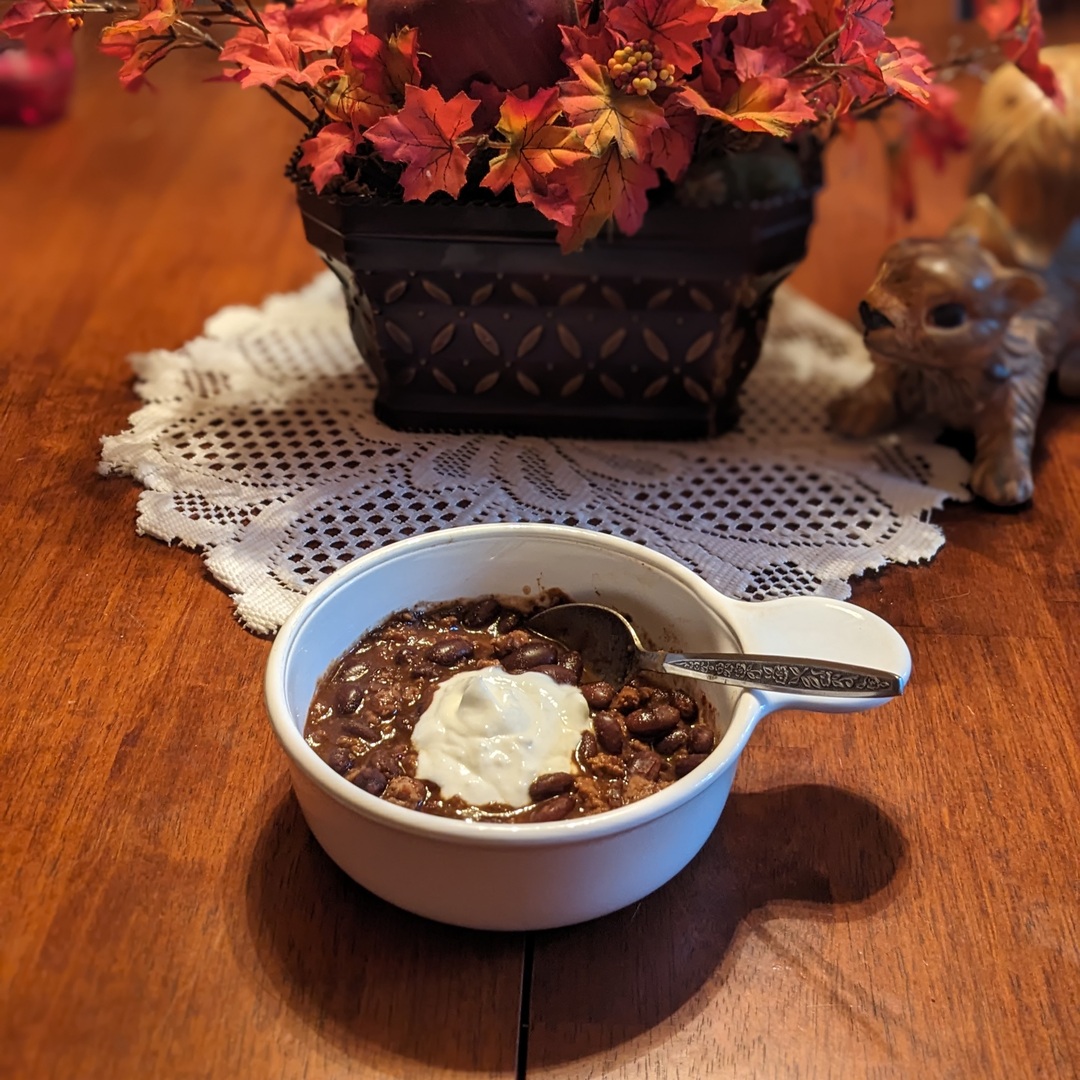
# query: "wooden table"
887,895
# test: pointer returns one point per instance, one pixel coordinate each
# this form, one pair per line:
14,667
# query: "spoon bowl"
611,651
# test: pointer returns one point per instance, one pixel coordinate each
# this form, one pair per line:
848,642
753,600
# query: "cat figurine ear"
1019,289
982,222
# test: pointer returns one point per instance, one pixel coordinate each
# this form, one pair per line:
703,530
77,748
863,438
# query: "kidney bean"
350,699
508,620
688,763
480,614
361,727
533,655
598,695
555,783
672,741
645,763
701,739
609,733
557,672
685,704
369,779
588,747
652,721
554,809
573,661
451,651
340,759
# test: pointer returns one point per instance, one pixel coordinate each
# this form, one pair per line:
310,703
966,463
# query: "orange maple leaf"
265,60
769,104
605,188
763,103
602,114
735,7
324,152
535,147
424,136
316,26
672,26
41,25
906,70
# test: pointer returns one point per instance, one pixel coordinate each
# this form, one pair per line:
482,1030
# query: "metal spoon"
611,651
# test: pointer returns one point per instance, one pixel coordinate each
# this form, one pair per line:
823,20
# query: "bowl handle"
822,629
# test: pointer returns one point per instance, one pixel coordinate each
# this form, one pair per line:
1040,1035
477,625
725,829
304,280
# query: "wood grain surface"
887,895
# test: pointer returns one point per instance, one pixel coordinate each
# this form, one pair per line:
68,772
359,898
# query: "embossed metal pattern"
805,678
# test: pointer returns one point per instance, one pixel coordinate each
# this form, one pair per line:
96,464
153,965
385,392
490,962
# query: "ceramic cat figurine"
969,328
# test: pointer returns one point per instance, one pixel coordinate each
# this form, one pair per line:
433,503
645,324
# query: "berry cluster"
639,69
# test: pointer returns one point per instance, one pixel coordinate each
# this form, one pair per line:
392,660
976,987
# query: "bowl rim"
747,708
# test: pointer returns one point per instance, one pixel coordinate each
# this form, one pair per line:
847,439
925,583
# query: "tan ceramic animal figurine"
969,328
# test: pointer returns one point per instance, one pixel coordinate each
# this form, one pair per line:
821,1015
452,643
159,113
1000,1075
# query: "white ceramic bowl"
515,877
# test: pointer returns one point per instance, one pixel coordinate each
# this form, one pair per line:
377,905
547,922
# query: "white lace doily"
257,445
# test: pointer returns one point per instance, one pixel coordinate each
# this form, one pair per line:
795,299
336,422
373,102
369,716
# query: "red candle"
509,43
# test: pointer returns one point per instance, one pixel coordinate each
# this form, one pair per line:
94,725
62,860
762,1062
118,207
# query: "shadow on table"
367,975
806,851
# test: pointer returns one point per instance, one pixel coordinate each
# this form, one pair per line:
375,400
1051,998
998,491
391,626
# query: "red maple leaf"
387,67
767,60
815,20
935,129
535,147
325,152
424,136
998,17
672,148
315,26
376,72
605,188
603,114
672,26
864,27
1016,26
598,42
37,23
905,70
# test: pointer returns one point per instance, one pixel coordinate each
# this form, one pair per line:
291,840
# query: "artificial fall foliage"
645,85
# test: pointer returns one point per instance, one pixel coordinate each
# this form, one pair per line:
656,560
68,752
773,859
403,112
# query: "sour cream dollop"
487,734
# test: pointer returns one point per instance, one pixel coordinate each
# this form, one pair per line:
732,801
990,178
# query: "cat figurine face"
944,305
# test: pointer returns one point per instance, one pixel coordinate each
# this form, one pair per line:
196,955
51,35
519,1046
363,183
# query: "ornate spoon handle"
780,673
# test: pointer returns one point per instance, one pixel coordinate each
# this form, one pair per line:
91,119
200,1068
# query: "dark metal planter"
472,319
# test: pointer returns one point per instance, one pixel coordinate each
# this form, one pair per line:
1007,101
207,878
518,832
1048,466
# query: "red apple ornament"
509,43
